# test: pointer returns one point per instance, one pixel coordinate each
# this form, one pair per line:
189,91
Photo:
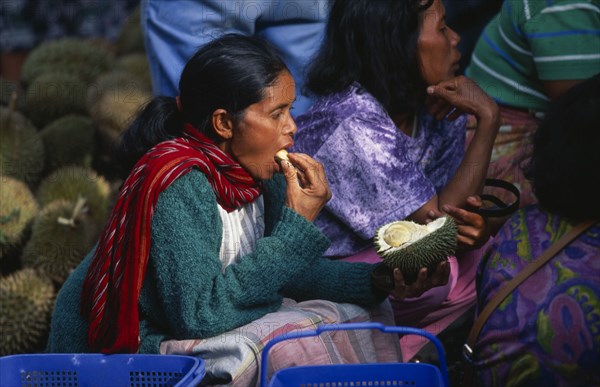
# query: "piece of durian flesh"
281,155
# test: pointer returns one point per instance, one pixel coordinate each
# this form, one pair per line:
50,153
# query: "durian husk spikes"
21,147
27,299
69,140
62,234
410,246
18,207
70,182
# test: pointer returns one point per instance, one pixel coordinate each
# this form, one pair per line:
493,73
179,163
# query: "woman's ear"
222,124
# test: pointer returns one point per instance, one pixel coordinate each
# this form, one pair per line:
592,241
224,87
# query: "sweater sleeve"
324,279
187,293
337,281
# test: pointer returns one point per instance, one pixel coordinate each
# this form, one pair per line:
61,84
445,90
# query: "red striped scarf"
114,280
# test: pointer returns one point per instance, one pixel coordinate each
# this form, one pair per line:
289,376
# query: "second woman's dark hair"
230,72
565,166
373,42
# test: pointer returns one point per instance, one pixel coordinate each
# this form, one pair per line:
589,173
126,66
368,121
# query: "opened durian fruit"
411,246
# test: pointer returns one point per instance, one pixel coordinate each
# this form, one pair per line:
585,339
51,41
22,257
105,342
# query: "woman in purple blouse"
389,127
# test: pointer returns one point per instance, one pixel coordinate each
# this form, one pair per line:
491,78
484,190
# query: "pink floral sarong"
437,308
512,149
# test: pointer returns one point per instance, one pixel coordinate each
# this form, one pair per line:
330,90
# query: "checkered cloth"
233,358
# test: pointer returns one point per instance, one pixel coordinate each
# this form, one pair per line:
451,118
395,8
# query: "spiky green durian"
138,66
26,301
21,147
74,56
18,207
54,95
62,234
72,182
115,101
411,246
68,141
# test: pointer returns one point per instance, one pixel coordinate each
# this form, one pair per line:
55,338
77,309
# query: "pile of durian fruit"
56,172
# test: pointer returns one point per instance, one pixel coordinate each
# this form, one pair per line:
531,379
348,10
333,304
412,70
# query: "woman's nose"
455,37
291,127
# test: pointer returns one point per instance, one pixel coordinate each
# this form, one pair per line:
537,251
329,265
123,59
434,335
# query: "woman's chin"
269,171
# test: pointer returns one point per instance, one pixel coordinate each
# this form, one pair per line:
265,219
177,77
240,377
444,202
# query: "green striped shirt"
530,41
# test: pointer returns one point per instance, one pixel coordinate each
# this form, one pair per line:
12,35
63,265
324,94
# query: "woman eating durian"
209,243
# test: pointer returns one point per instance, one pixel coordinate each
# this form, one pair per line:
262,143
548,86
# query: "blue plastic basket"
97,370
357,375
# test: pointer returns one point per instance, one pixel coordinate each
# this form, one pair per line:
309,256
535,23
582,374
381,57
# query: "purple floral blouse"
377,174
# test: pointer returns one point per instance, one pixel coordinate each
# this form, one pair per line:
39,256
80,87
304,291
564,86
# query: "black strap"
500,209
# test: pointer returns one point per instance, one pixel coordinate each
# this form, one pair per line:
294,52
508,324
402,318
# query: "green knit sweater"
186,294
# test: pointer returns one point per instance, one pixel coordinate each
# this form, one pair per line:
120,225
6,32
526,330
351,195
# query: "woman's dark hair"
373,42
230,72
565,166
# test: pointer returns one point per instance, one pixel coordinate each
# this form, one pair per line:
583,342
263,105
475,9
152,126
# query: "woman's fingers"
475,201
441,274
290,172
307,190
312,175
464,94
473,230
459,92
309,170
441,109
462,216
423,283
296,169
400,287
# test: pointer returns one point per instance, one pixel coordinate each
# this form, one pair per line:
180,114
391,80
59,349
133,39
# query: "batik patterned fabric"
547,332
377,174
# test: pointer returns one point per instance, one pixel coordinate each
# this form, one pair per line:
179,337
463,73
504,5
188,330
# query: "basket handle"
353,326
198,375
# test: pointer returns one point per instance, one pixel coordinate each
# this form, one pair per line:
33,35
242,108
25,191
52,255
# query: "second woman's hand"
473,229
307,188
449,99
